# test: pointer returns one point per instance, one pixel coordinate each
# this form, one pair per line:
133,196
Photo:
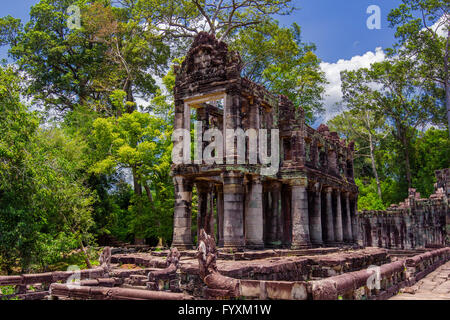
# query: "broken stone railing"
35,286
66,291
391,278
375,283
420,265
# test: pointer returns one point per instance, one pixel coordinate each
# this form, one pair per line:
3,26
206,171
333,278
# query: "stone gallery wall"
414,223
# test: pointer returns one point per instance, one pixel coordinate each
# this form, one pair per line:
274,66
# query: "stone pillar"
210,213
348,236
299,213
276,212
286,209
315,221
355,229
279,216
182,238
338,231
329,216
233,214
202,203
254,216
219,206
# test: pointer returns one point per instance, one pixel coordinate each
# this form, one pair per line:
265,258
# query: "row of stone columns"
240,208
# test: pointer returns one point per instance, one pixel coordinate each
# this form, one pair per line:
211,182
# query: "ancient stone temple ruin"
414,223
309,201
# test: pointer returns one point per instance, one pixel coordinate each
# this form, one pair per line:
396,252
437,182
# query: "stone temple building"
414,223
310,201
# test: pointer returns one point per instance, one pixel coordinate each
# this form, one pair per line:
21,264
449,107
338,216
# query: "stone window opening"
322,158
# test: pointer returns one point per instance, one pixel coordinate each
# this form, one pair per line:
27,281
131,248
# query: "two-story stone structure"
310,201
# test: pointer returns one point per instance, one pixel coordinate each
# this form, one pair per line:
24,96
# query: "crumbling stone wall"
310,201
414,223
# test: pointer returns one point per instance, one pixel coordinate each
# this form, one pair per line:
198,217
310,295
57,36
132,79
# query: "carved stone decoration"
172,263
217,284
105,259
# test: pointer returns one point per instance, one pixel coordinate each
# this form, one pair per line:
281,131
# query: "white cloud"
333,93
333,74
440,26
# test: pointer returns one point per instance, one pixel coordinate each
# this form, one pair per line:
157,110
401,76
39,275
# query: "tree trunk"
407,162
86,256
447,84
374,167
130,98
138,193
150,198
372,157
137,185
149,194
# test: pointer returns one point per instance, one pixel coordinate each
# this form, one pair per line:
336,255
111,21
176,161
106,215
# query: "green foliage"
431,153
422,30
43,203
368,198
6,291
139,142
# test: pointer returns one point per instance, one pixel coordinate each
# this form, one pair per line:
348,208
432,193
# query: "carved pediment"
209,59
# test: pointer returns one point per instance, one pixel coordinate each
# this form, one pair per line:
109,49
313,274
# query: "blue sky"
337,27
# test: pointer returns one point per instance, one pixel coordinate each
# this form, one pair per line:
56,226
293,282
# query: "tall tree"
113,49
360,124
423,31
138,142
393,89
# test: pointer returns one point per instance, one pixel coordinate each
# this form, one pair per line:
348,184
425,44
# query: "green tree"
423,33
138,142
392,89
66,67
431,152
43,203
360,125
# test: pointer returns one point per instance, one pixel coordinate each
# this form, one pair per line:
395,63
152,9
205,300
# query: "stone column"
315,222
205,215
233,214
348,236
299,213
355,229
286,208
254,216
338,231
182,238
201,208
329,216
210,212
219,205
279,216
276,214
